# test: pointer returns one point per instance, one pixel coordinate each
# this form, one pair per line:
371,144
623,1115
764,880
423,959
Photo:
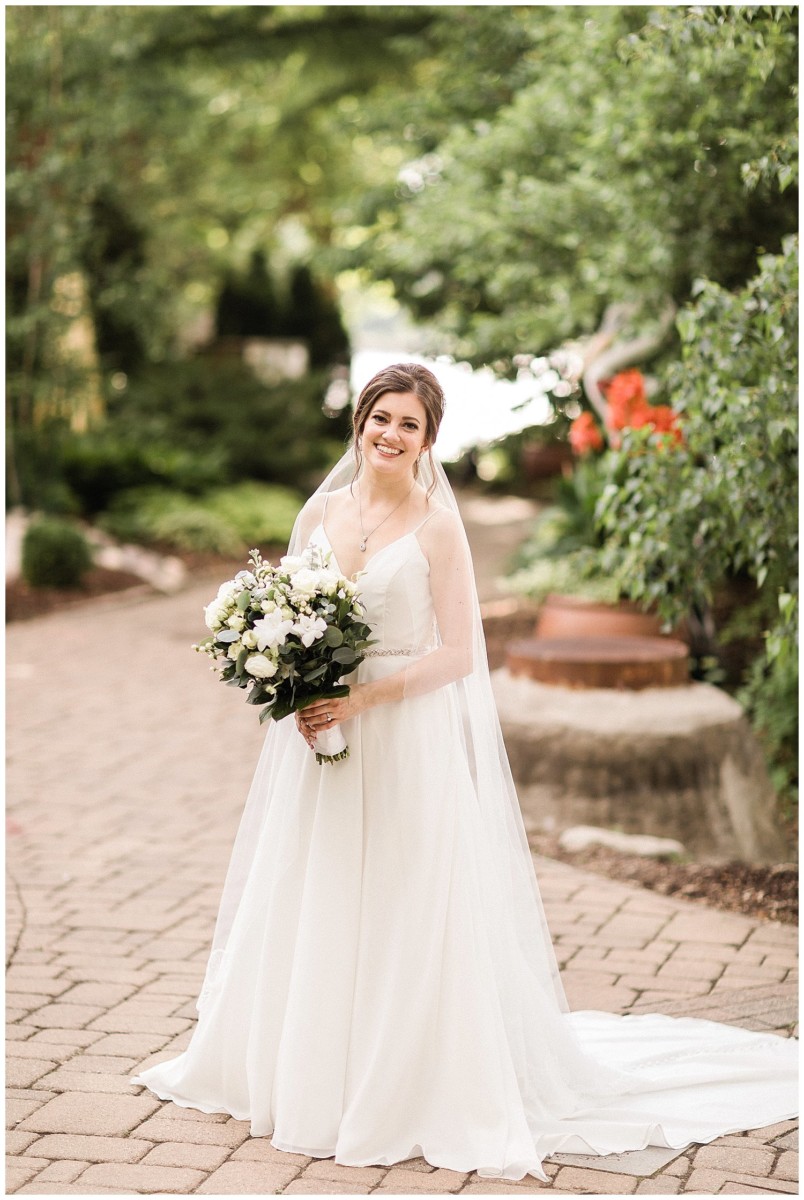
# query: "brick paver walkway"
126,777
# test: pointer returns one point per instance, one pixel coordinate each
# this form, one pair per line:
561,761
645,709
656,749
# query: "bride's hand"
326,714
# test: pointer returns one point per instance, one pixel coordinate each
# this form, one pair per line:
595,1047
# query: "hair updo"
400,378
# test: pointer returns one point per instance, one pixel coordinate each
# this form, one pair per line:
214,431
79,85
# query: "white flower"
292,562
260,667
228,590
305,582
249,639
309,629
268,606
234,650
215,614
272,630
236,622
246,578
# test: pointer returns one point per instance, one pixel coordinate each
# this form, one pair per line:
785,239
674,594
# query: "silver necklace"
365,536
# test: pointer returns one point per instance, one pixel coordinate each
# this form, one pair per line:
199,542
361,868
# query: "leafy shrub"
54,554
259,512
195,528
724,504
96,466
223,520
274,434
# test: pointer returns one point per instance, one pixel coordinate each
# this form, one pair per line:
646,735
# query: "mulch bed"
766,893
24,602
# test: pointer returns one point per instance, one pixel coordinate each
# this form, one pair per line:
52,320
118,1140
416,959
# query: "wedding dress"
383,984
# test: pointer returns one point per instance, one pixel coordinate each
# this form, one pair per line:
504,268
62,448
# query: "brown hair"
401,377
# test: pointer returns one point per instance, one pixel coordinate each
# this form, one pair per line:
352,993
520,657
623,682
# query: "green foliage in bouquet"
55,554
289,639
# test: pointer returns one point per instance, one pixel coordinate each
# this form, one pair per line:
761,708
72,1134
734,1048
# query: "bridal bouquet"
289,633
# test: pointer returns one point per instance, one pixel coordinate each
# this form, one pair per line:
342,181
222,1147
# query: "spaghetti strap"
426,519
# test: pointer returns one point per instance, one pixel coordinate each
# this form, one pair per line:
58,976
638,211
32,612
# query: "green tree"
614,171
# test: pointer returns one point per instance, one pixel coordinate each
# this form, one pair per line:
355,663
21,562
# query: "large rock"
679,762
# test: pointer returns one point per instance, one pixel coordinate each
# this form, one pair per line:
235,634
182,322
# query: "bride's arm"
444,544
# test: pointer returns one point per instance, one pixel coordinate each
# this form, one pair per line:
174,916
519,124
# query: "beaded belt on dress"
393,653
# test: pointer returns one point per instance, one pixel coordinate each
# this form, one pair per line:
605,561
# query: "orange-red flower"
585,435
626,399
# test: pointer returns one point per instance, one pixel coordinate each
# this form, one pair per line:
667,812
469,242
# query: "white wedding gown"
359,1010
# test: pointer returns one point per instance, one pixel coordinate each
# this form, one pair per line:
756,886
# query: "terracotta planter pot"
575,617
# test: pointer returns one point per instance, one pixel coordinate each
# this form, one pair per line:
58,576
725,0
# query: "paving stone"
17,1141
502,1187
133,1045
105,994
91,1149
18,1110
159,1130
583,1180
136,1177
91,1112
788,1142
175,1112
61,1172
67,1079
787,1166
66,1037
324,1187
662,1185
103,1064
329,1169
113,1022
18,1174
710,1181
35,1188
64,1016
247,1179
732,1158
711,926
22,1072
181,1154
439,1180
260,1150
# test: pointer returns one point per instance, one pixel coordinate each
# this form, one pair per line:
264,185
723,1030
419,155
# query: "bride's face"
393,436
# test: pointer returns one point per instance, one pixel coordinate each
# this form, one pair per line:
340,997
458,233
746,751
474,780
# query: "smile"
387,451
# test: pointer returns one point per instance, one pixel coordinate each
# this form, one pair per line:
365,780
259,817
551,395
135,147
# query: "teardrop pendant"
363,546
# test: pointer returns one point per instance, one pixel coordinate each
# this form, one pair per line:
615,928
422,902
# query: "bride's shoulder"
441,524
316,505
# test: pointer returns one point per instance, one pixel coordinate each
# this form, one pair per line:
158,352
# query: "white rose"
227,590
236,622
249,639
304,582
268,606
215,614
292,562
260,667
234,650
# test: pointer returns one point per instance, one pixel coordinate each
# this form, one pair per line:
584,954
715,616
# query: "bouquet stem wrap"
330,746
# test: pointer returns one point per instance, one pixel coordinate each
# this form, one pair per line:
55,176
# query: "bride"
382,983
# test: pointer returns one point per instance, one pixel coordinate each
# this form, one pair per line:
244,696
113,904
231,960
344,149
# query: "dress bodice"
394,587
